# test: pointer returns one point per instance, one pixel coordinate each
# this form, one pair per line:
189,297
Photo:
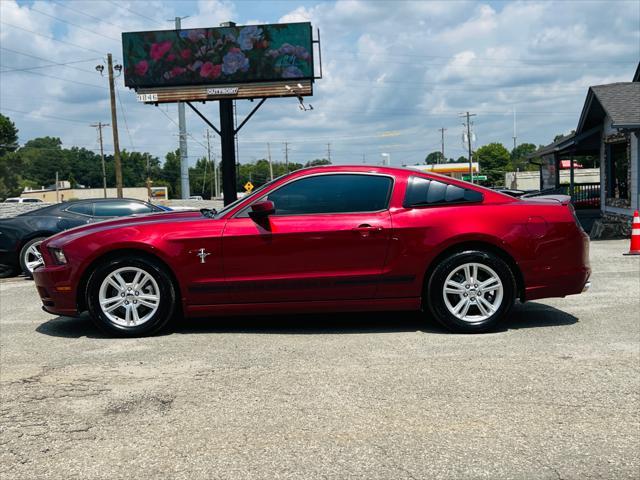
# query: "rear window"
85,208
120,208
424,192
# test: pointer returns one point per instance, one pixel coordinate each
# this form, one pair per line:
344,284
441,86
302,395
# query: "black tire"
435,296
7,271
23,255
165,309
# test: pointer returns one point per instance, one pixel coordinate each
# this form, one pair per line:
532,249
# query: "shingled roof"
620,101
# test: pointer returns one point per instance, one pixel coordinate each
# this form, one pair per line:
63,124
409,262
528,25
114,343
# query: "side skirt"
366,305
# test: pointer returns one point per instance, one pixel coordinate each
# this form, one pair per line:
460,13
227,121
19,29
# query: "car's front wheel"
130,296
471,291
30,256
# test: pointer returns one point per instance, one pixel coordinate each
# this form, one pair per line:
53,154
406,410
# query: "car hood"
136,220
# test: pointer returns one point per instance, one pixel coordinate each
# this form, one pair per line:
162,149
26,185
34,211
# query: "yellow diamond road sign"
248,186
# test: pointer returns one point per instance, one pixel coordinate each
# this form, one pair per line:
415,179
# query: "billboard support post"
228,147
182,126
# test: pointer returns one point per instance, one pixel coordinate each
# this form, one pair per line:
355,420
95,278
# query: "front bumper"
57,292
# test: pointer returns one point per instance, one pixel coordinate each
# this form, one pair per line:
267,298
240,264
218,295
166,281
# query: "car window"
84,208
31,200
120,208
331,193
423,191
12,200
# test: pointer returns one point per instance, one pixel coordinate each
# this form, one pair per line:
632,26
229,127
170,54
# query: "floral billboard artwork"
205,56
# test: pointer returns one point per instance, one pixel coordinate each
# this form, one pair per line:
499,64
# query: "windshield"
232,205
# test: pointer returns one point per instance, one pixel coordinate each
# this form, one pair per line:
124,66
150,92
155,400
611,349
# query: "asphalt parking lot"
555,394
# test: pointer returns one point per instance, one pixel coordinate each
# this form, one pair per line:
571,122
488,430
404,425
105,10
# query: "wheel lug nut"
135,301
126,302
475,286
466,294
137,292
466,286
122,294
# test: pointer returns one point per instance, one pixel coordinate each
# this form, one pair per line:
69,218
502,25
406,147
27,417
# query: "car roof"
103,200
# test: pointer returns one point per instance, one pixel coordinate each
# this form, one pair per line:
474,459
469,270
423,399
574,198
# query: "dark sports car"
21,236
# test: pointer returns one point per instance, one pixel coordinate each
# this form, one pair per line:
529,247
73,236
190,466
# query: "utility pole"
99,126
269,158
329,152
442,130
215,170
286,155
182,124
114,128
468,125
515,135
57,188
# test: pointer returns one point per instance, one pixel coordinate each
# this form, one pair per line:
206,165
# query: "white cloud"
407,67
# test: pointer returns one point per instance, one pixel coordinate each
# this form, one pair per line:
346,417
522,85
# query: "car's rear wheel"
471,291
30,256
130,297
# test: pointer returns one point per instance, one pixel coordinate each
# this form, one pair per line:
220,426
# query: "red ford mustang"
337,238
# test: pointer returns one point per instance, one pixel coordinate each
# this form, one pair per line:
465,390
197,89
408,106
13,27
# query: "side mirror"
261,210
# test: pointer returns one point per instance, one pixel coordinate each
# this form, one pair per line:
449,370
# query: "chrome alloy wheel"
473,292
33,257
129,296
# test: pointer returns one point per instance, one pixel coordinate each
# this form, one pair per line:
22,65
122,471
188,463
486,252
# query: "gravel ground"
556,394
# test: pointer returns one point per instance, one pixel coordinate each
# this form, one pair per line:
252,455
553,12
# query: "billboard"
218,56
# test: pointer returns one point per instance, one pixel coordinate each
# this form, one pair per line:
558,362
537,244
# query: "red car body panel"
327,262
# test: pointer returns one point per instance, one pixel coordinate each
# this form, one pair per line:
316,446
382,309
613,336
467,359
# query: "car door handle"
365,229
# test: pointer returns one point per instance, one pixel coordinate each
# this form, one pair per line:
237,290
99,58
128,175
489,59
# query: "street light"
114,119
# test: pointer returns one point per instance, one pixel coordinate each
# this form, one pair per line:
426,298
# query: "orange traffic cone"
634,249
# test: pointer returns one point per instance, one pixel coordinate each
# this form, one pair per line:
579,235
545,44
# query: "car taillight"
575,216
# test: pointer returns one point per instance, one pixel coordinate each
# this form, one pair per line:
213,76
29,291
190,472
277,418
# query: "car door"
76,214
327,240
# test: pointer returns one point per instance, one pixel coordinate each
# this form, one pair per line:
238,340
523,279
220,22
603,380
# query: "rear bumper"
566,273
57,293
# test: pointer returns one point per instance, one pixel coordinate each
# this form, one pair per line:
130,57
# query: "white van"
22,200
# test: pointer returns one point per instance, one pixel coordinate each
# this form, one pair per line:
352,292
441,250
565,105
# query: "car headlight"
58,256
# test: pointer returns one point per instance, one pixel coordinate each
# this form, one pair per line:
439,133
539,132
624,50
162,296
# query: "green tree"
8,136
493,159
519,159
317,162
42,157
171,173
434,157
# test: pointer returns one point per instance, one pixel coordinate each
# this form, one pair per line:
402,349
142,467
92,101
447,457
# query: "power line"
188,134
124,117
73,24
51,64
59,78
51,38
136,13
87,15
30,114
529,60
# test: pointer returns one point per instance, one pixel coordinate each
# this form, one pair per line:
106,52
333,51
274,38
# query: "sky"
394,73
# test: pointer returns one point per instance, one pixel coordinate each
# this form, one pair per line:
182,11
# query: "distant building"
66,193
454,170
609,129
